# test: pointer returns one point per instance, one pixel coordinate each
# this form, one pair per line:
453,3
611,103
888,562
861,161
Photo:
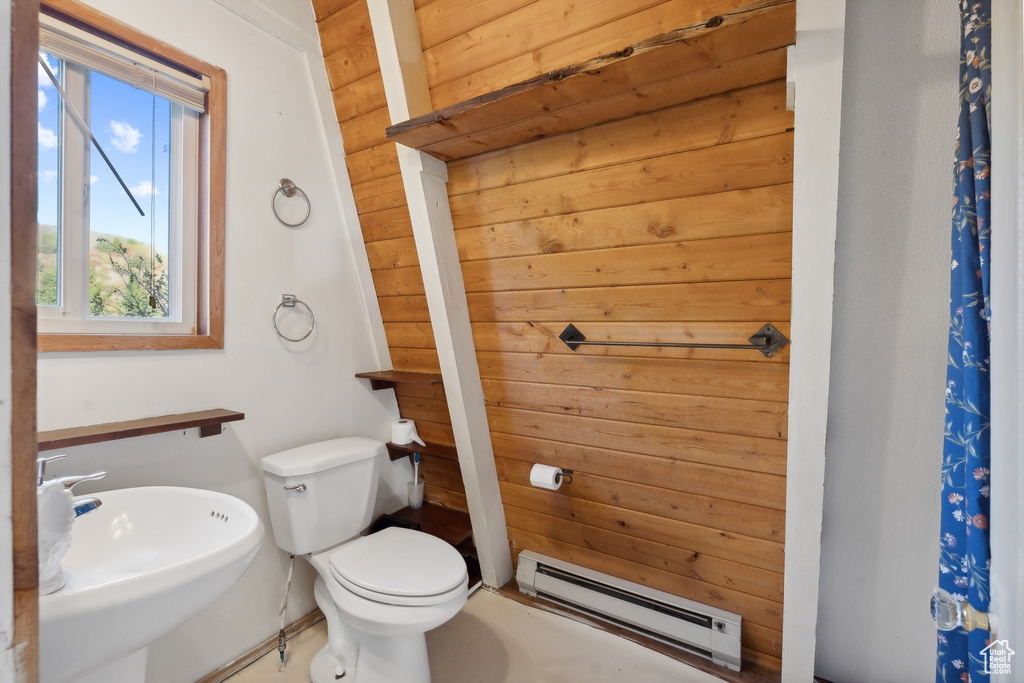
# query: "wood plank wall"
672,226
358,90
472,47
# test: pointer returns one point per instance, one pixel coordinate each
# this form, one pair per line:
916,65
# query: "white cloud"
44,80
48,175
144,188
124,136
93,179
47,138
43,99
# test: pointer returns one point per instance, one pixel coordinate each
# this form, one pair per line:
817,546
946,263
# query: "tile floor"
498,640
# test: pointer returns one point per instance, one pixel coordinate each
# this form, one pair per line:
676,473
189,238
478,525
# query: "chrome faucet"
74,480
86,504
41,464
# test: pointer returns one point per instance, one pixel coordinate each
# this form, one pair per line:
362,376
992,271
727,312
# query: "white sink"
140,565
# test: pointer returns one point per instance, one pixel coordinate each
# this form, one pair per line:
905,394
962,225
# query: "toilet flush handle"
298,487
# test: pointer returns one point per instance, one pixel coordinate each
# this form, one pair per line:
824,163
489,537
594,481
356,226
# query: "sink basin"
140,565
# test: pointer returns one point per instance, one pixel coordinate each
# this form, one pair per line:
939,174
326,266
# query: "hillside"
119,275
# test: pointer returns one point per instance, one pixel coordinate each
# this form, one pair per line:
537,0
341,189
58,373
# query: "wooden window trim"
24,558
209,328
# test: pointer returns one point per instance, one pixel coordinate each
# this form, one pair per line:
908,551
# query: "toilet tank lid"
324,455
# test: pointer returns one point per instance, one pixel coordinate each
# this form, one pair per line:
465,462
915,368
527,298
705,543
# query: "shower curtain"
964,545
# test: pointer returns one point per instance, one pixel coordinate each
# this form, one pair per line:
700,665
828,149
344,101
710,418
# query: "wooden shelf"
208,421
387,379
404,450
738,49
449,525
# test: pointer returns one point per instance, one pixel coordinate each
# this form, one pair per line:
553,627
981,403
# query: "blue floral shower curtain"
964,556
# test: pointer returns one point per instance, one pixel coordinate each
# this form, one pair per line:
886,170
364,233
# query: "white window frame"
71,313
200,322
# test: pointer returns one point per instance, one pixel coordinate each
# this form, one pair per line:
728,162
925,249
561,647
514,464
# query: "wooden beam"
397,36
818,76
24,36
446,298
424,178
612,86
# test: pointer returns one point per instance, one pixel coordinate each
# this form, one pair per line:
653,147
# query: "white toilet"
380,593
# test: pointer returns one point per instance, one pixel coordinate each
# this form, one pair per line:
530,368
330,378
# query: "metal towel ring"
290,301
289,189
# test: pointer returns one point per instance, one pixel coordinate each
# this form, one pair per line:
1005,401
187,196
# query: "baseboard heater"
688,625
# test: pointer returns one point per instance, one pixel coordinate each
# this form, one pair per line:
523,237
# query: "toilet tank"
321,494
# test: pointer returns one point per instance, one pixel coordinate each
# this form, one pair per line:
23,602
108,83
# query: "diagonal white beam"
817,75
425,179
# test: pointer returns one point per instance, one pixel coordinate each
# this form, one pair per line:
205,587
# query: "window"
131,188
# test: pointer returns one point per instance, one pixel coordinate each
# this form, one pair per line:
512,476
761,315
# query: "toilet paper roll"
404,431
546,477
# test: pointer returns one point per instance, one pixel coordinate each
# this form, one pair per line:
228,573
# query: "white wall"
291,393
6,568
1006,609
884,451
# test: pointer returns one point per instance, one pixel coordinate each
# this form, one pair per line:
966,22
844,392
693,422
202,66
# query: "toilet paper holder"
549,477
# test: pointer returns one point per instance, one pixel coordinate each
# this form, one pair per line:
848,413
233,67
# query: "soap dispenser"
56,514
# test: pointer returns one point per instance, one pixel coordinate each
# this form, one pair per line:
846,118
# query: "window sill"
54,343
208,421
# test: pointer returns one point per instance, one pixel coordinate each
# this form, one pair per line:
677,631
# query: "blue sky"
122,120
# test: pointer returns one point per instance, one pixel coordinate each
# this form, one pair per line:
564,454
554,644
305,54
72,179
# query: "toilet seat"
398,566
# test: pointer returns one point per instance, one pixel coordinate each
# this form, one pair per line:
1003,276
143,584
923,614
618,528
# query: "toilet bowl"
389,589
379,593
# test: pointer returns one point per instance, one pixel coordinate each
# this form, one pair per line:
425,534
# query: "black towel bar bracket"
767,340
